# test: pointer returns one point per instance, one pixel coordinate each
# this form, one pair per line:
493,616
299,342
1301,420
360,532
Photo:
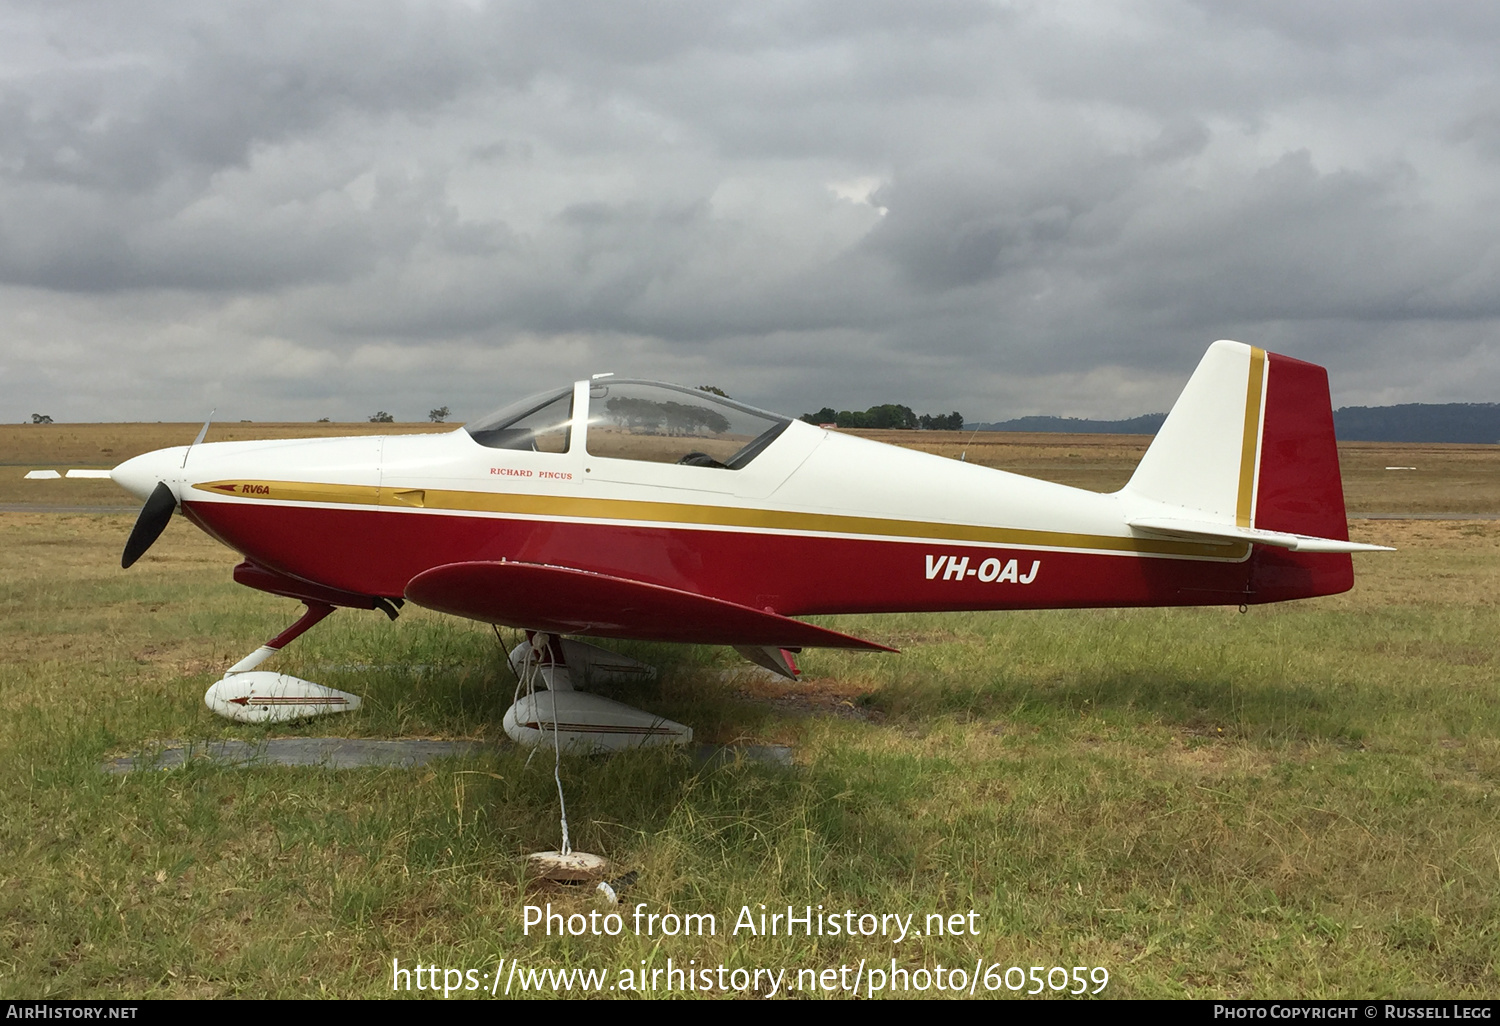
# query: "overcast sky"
298,210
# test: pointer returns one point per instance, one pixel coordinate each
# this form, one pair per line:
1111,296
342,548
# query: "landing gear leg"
316,611
543,654
563,664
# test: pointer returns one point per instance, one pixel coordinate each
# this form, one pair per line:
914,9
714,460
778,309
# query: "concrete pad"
359,753
323,752
34,507
1424,516
41,475
766,755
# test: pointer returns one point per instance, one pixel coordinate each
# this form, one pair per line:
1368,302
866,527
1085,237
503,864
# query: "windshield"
538,423
658,423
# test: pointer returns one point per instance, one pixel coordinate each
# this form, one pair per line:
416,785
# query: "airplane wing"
1197,530
565,601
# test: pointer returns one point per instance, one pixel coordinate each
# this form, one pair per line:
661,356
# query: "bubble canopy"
632,419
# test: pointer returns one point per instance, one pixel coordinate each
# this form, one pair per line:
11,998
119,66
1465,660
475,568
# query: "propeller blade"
155,515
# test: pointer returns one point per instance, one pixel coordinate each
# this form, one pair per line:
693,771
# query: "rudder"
1299,488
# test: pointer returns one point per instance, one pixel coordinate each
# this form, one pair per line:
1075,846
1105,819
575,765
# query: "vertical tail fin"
1250,446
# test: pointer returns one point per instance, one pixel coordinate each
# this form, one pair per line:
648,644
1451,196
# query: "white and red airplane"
620,508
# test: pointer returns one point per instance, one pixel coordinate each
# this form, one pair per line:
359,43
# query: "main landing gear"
575,721
248,695
547,711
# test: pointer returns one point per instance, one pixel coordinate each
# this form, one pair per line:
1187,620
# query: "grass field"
1300,800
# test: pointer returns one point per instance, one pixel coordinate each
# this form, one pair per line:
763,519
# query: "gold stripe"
296,491
1250,441
521,504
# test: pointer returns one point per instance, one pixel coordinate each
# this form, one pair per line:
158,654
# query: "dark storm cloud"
135,96
1006,208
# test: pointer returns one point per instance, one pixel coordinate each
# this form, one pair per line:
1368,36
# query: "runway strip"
26,507
360,753
1424,516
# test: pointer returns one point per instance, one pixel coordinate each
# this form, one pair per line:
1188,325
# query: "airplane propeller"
155,515
157,512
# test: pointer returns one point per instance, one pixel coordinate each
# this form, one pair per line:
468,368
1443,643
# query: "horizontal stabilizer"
1196,530
562,600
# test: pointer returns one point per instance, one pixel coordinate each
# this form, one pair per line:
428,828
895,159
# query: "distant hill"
1419,422
1469,423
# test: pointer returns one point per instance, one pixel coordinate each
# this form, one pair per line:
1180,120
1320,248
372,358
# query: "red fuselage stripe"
374,552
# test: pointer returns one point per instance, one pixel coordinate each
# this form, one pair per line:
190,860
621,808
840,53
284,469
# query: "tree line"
889,416
1419,422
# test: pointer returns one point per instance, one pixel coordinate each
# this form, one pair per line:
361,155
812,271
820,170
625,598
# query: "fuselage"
816,522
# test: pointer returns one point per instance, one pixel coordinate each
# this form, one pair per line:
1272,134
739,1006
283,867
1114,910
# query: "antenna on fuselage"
201,432
962,457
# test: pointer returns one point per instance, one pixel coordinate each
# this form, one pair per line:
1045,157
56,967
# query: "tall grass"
1299,800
